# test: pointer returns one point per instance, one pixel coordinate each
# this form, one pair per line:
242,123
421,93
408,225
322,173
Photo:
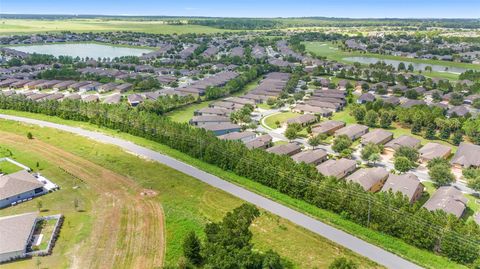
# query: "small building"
365,98
328,127
434,150
315,157
303,120
353,131
289,149
209,111
337,168
371,179
135,99
407,184
222,128
113,99
467,155
239,136
18,187
208,120
309,109
403,140
377,137
261,142
458,111
449,199
15,233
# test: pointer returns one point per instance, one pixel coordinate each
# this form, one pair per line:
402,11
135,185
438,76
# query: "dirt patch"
148,193
128,229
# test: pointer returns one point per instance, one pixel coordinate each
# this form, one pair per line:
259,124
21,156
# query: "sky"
251,8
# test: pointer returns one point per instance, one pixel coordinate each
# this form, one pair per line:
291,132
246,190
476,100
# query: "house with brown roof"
403,140
434,150
315,156
337,168
239,136
353,131
289,149
407,184
328,127
261,142
371,179
377,137
467,155
449,199
303,120
308,109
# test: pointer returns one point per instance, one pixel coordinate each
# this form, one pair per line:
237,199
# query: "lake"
417,66
82,50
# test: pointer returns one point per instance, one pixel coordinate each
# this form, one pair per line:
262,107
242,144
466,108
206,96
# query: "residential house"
135,99
403,140
303,120
15,233
371,179
239,136
353,131
261,142
337,168
222,128
18,187
377,137
113,99
434,150
328,127
209,111
315,156
289,149
308,109
208,120
407,184
449,199
458,111
467,155
366,97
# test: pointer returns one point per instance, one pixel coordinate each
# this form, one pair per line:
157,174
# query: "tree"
430,132
474,183
192,247
401,66
441,174
457,138
385,119
410,153
314,141
343,263
472,129
29,135
375,157
371,118
402,164
370,149
76,204
359,113
292,131
416,127
39,205
341,143
411,94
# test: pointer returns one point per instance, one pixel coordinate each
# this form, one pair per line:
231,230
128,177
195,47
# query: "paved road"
353,243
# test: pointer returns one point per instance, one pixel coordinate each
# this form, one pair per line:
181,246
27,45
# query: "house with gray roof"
113,99
289,149
309,109
328,127
434,150
15,233
458,111
403,140
222,128
377,137
449,199
371,179
18,187
315,156
303,120
337,168
467,155
239,136
207,120
353,131
407,184
261,142
135,99
366,97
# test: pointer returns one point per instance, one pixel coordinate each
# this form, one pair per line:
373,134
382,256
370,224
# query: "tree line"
384,212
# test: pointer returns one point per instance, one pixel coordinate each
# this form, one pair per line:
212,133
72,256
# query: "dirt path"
128,229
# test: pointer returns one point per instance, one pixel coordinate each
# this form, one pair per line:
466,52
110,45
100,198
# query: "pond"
82,50
417,66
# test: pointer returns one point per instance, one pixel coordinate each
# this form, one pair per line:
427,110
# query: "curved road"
351,242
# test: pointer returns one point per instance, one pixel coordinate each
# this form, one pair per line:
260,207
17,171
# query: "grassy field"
282,117
186,203
8,168
422,257
24,26
331,51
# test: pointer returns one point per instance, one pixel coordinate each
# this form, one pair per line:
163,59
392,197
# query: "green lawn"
8,167
281,117
331,51
187,203
27,26
422,257
47,231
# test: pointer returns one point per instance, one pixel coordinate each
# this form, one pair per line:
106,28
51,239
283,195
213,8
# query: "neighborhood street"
351,242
